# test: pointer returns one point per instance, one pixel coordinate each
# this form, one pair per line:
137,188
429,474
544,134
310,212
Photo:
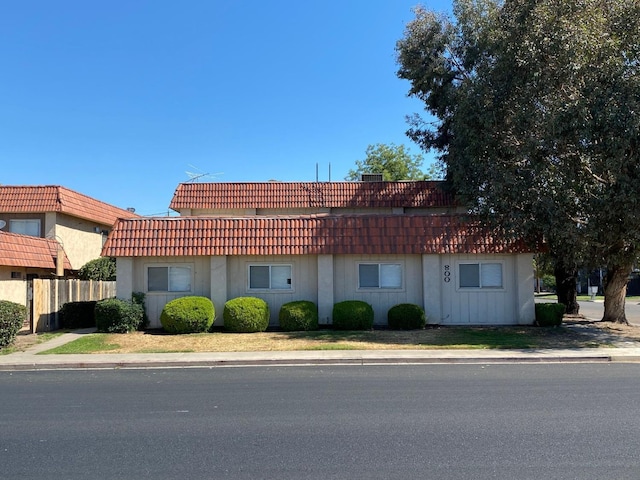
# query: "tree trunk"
566,282
615,291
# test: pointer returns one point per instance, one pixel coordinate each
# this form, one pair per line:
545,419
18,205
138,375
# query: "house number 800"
447,274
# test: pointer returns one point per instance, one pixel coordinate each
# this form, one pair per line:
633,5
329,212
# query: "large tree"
393,162
538,118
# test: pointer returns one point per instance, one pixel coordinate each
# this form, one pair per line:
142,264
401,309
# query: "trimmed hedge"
187,315
549,314
118,316
352,315
78,315
12,317
298,315
406,316
246,315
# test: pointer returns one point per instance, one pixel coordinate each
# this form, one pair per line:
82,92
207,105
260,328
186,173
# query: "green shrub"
187,315
103,268
406,316
549,314
245,315
299,315
549,282
118,316
138,297
12,317
352,315
78,315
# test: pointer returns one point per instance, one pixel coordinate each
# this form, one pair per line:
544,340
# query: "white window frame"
380,271
481,287
24,221
270,266
168,266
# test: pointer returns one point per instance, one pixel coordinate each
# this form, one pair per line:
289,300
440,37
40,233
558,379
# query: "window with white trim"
380,275
169,279
270,277
21,226
480,275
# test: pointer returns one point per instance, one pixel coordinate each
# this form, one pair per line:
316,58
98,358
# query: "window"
25,227
480,275
169,279
270,277
16,275
380,275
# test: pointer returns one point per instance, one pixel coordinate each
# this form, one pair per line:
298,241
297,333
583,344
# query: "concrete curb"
23,363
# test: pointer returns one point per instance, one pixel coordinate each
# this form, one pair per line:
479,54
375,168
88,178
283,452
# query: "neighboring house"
23,257
381,242
78,223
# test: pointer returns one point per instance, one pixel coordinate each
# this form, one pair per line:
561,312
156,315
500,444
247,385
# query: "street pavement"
594,310
31,359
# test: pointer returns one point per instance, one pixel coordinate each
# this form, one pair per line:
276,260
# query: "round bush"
187,315
299,315
246,315
78,315
12,317
118,316
352,315
406,316
549,314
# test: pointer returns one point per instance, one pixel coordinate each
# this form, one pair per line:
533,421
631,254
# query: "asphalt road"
595,311
423,422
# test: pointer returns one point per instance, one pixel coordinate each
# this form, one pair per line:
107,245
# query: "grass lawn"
22,342
431,338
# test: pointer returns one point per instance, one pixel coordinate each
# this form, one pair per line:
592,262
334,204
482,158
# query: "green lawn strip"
431,338
40,338
8,350
95,342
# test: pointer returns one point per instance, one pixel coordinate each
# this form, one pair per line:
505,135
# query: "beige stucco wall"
13,290
79,238
305,280
345,277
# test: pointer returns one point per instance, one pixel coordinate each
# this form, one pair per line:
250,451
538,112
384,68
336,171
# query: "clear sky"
124,99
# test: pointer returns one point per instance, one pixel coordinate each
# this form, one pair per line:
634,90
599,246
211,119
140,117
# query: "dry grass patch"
430,338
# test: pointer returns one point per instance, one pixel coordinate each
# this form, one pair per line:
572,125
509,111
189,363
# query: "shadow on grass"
517,337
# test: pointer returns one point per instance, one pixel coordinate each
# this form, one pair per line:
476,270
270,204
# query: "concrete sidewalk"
30,360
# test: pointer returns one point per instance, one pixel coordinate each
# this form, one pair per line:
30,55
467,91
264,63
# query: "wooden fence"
45,298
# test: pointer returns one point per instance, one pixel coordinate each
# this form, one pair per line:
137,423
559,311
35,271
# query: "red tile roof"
310,195
26,251
302,235
54,198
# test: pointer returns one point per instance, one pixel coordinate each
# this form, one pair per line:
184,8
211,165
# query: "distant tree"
103,268
393,162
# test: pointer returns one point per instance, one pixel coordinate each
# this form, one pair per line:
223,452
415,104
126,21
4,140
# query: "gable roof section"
304,235
54,198
310,195
31,252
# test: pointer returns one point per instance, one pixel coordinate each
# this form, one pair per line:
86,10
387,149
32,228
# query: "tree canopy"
538,120
393,162
102,268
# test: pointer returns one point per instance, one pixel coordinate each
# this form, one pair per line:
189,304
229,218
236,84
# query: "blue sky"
119,99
